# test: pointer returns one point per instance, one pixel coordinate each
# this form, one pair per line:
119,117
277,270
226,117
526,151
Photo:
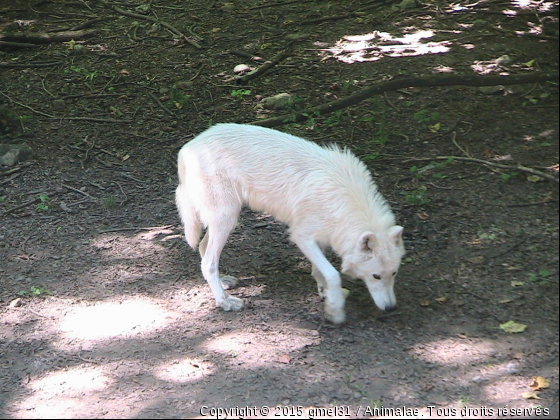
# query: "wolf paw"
229,282
334,314
231,303
336,318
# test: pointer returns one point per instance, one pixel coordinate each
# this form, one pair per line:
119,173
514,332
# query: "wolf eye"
377,277
394,274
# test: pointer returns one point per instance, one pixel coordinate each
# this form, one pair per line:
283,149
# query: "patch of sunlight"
523,3
453,351
376,45
63,394
114,319
487,67
186,370
444,69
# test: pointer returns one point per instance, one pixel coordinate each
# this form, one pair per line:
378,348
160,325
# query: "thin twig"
157,101
265,67
134,228
154,20
19,168
78,191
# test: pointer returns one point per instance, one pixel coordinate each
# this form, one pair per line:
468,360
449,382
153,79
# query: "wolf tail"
187,212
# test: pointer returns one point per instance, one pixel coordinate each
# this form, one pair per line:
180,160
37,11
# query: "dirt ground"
104,312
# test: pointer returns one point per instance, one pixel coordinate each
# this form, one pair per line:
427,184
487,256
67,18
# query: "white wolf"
324,194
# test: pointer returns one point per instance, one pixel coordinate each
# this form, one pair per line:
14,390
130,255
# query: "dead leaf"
516,283
435,128
477,260
425,302
442,300
513,327
506,301
423,216
531,396
539,383
534,178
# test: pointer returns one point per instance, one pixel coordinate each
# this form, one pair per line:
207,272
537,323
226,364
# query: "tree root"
391,85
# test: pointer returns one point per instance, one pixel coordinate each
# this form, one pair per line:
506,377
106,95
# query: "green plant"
240,93
375,404
45,203
430,167
425,118
541,277
334,119
110,202
348,84
507,177
36,291
178,99
89,75
417,196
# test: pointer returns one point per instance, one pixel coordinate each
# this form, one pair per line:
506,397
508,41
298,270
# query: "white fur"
325,195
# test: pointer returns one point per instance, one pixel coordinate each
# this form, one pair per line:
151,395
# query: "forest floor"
103,309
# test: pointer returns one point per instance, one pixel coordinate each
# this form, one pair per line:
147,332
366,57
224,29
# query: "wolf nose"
390,308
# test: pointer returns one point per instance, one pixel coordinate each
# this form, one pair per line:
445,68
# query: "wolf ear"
368,242
395,235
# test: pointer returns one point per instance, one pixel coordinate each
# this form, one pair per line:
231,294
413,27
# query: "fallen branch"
83,25
29,203
496,165
17,45
17,169
46,38
391,85
28,65
265,67
330,18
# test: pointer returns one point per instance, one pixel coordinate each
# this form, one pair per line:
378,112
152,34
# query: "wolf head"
376,259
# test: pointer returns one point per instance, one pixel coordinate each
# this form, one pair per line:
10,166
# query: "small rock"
10,158
241,69
280,101
490,90
512,368
15,303
10,154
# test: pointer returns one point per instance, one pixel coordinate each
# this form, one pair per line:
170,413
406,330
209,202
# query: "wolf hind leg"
221,221
228,282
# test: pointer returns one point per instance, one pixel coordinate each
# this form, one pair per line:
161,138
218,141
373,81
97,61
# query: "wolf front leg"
327,277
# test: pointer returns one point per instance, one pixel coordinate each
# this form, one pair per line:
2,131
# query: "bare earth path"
103,310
